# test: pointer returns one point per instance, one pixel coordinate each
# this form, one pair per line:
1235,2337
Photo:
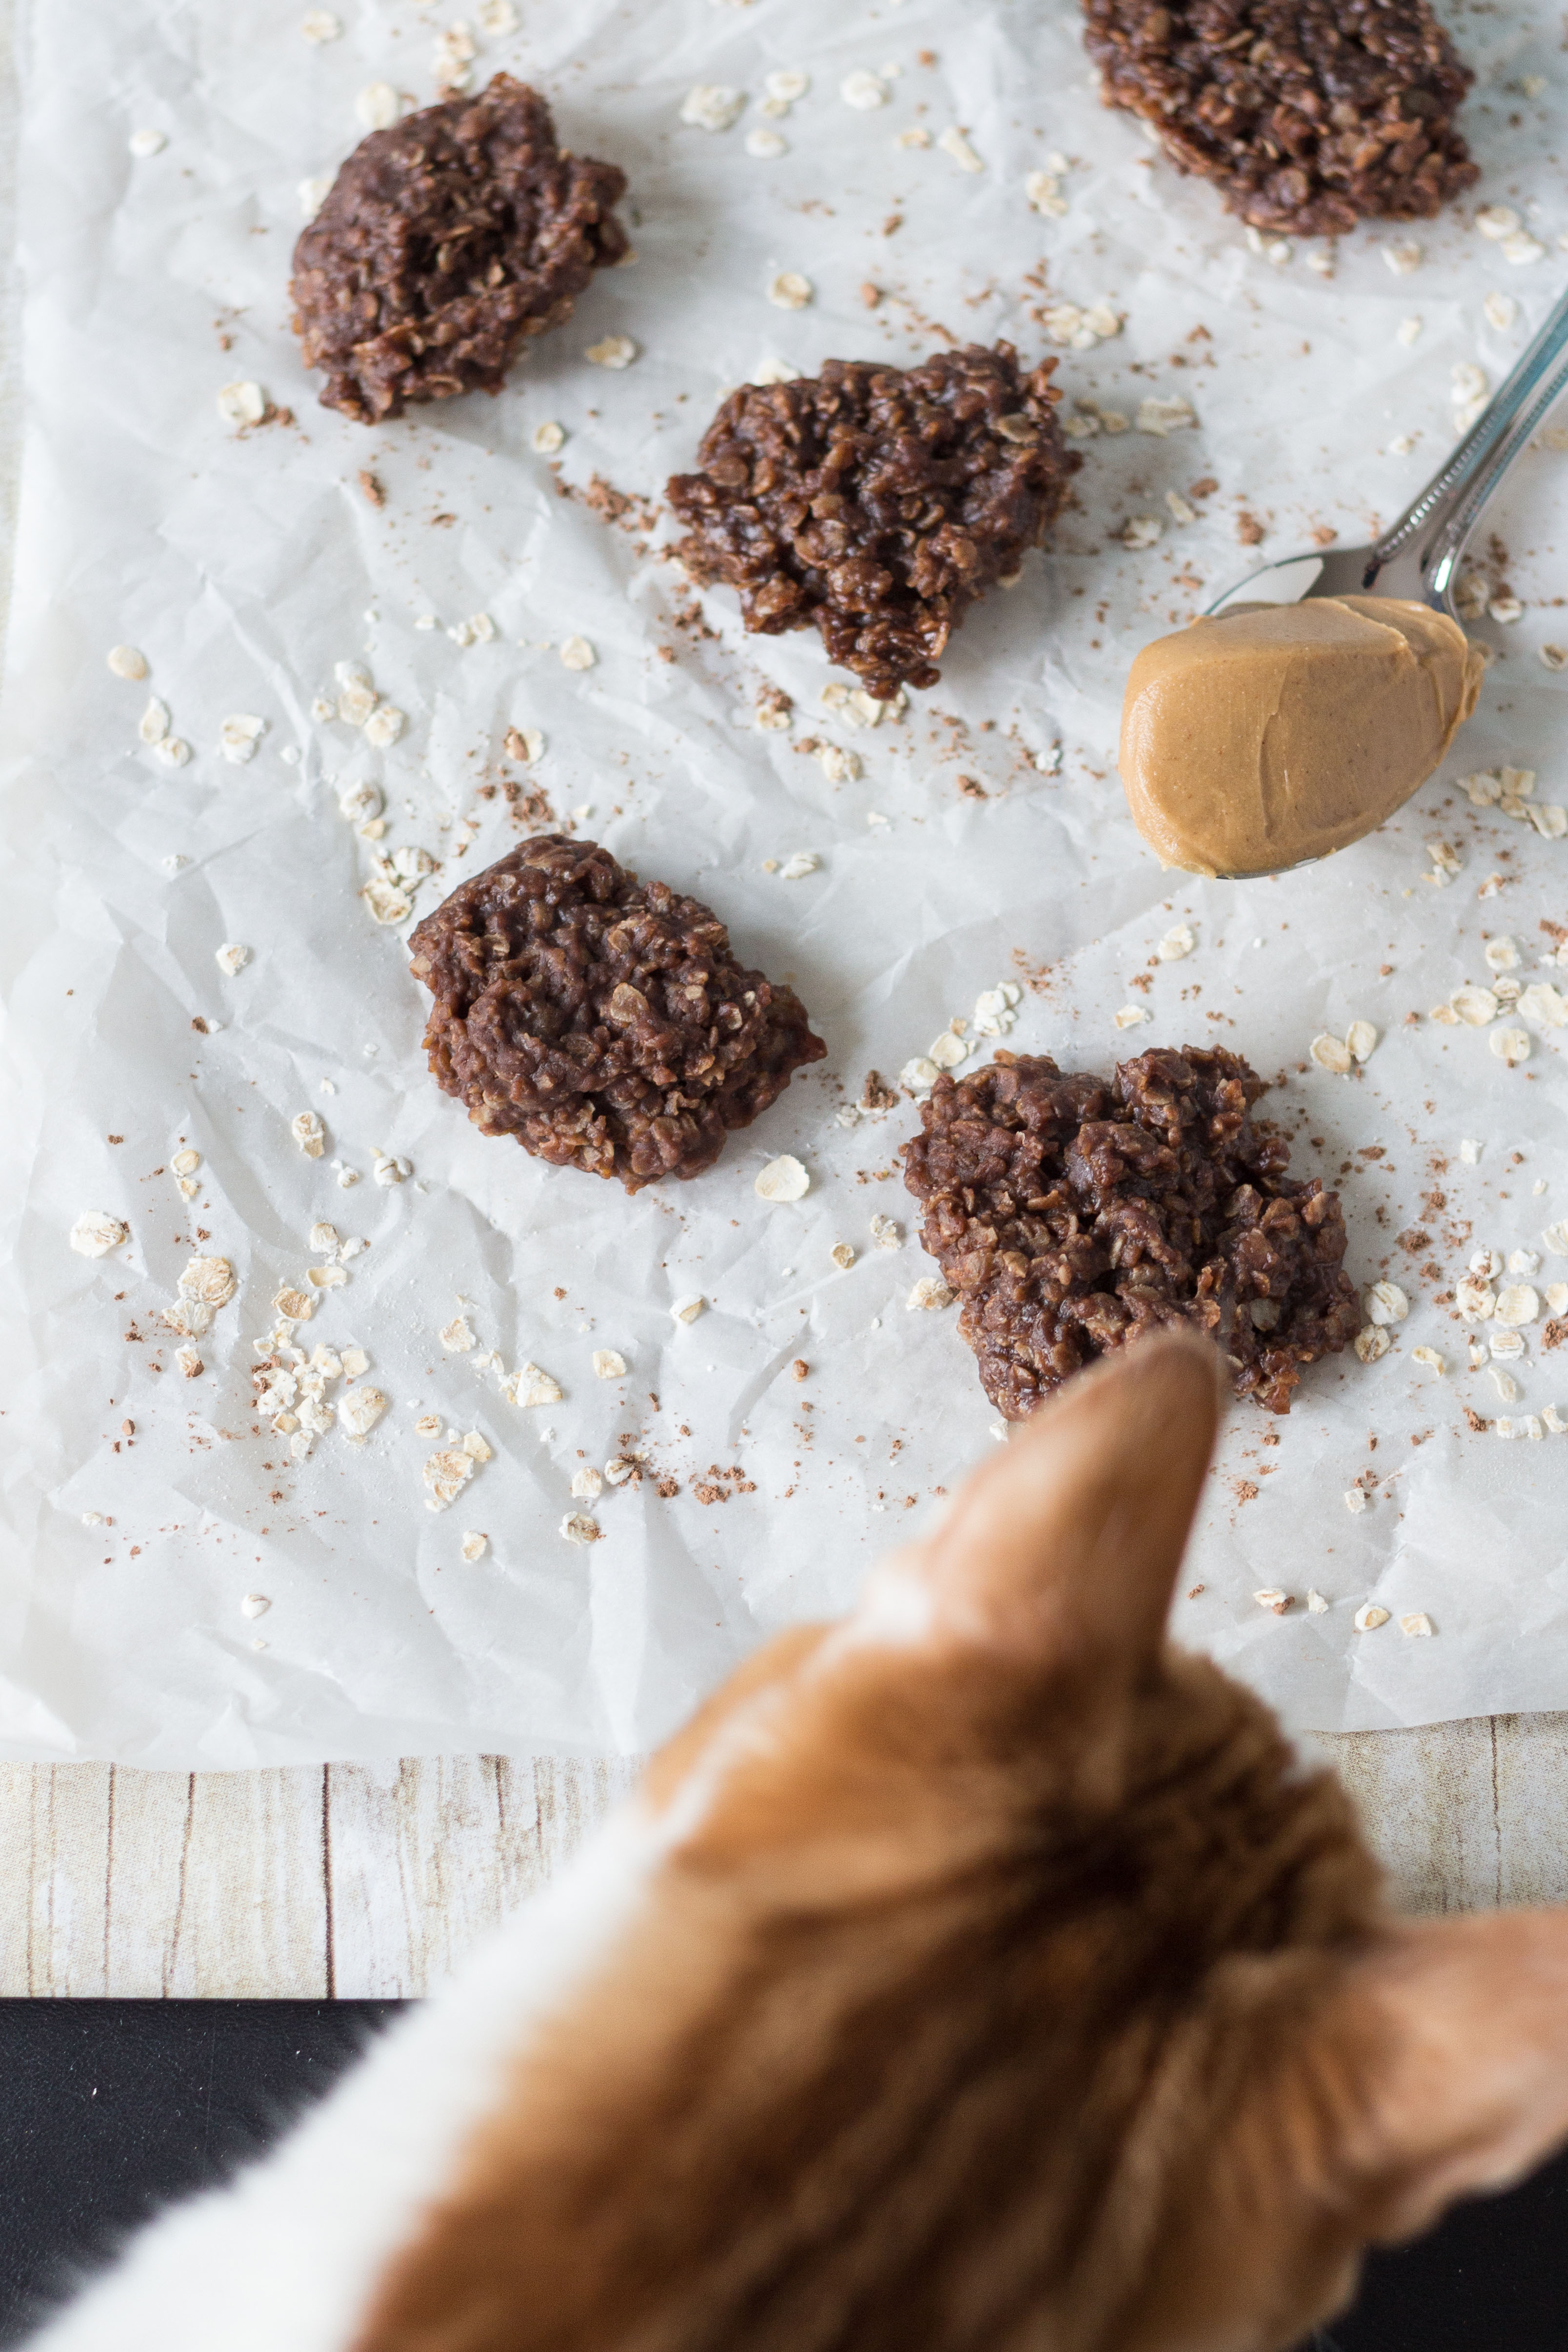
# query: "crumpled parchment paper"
179,1589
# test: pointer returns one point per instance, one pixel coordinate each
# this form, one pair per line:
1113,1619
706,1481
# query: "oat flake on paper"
238,557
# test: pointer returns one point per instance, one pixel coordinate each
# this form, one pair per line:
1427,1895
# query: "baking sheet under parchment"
246,565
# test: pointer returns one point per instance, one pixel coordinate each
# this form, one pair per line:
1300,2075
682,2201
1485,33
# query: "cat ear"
1449,2044
1065,1547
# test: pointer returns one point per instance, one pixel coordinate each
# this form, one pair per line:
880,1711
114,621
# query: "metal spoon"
1418,557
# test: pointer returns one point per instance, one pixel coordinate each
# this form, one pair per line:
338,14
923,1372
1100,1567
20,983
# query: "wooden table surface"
350,1880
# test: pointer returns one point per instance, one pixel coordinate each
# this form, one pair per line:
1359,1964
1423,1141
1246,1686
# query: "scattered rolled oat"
1317,1602
1178,942
1361,1037
190,1363
255,1604
1331,1053
96,1233
842,1254
765,144
839,766
612,351
863,90
377,107
458,1336
531,1386
588,1482
231,958
242,404
1131,1016
1274,1599
153,724
1542,1002
617,1470
147,143
783,1179
1510,1045
796,867
1355,1500
1372,1341
186,1163
1402,258
1417,1623
686,1310
384,725
789,290
475,1544
126,662
608,1365
576,653
1516,1304
238,736
1164,416
578,1528
953,142
1475,1299
361,1409
1551,1417
1369,1617
1141,530
548,436
326,1278
209,1279
294,1306
1475,1005
385,902
1430,1357
308,1133
711,106
1386,1303
930,1291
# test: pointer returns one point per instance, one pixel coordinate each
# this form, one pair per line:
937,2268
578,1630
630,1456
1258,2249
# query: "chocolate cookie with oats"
444,242
1073,1214
600,1021
1311,114
876,503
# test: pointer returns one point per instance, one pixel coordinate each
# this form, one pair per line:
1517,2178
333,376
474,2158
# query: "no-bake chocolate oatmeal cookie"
444,242
1071,1214
601,1021
876,502
1311,114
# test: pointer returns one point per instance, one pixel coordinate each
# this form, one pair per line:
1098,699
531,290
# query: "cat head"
1003,1980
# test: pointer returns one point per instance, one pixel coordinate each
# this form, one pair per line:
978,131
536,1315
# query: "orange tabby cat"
984,1974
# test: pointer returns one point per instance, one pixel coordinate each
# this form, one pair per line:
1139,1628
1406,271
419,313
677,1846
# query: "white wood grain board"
360,1882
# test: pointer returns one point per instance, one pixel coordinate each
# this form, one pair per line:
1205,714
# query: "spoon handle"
1424,547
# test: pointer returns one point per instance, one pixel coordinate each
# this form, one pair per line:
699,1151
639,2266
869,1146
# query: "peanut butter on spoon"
1279,732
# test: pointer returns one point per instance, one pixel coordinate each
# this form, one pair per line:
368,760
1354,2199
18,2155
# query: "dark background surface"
110,2108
